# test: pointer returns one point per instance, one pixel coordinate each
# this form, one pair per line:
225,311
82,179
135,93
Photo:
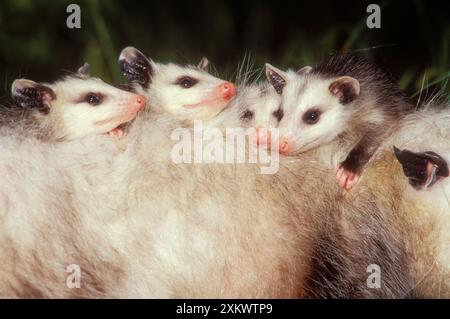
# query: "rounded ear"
85,70
345,88
203,64
135,66
304,70
29,94
276,78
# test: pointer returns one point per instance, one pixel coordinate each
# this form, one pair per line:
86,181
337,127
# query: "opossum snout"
228,90
138,102
284,145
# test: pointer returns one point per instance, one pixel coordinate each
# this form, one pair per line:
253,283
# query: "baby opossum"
256,105
344,98
252,105
188,93
72,108
260,107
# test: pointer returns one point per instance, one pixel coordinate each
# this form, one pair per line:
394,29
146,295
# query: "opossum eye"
278,114
311,117
186,82
94,98
247,115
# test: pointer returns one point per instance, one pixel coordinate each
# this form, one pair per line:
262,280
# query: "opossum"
251,105
344,99
213,230
424,216
139,225
71,108
198,235
255,106
260,107
390,226
188,93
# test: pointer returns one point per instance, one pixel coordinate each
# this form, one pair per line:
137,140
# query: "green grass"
413,42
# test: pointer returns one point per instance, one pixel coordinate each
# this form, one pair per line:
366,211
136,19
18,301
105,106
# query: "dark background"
413,42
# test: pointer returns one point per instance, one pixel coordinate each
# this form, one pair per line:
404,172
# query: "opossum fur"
66,109
141,226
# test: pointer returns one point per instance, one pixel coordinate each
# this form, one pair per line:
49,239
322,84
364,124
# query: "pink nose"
284,146
228,89
140,101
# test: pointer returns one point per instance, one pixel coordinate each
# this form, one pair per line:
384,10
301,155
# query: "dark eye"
312,116
278,114
247,115
186,82
94,98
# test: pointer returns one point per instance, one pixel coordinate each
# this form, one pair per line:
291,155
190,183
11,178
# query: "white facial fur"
188,93
72,117
301,94
202,101
261,106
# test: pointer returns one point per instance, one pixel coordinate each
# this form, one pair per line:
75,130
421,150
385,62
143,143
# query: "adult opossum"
139,225
394,227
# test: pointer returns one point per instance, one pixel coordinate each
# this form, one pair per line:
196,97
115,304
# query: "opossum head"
186,92
259,107
77,106
316,109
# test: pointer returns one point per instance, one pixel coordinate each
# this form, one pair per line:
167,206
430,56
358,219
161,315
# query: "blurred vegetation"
413,42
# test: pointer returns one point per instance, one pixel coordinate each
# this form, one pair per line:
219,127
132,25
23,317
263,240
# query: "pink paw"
117,132
346,179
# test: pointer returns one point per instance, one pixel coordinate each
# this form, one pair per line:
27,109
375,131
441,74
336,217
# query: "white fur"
429,130
166,96
198,235
258,98
71,118
140,226
262,101
302,93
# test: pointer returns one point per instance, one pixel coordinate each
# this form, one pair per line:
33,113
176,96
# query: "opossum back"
421,219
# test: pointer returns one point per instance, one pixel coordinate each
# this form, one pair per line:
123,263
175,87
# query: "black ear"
203,64
84,71
345,88
276,78
31,95
135,66
423,170
304,70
